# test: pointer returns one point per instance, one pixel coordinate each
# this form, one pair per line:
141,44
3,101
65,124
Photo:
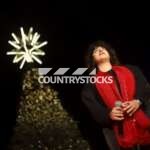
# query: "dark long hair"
89,58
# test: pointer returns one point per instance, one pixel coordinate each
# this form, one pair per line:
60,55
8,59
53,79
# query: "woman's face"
100,54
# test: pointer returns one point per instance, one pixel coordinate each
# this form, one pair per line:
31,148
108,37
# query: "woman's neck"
105,66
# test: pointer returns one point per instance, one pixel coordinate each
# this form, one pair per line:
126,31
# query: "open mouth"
101,53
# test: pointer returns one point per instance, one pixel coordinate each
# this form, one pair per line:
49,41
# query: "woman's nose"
100,50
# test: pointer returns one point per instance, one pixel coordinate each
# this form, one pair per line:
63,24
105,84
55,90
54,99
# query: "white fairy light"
27,48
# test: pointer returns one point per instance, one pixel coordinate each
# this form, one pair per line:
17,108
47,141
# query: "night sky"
69,34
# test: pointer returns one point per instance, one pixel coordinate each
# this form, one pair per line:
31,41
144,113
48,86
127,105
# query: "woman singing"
121,108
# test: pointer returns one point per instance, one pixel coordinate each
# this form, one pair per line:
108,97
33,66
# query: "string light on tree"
27,48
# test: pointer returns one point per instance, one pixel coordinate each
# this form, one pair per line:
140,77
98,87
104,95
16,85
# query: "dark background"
69,31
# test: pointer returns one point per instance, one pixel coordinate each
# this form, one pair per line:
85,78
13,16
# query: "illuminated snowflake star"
27,48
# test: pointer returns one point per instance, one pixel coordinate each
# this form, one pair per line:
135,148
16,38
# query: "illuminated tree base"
42,122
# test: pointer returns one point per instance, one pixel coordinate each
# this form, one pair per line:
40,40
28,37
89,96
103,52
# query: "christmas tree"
42,122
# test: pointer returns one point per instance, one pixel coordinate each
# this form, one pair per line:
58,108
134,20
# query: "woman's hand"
117,114
130,107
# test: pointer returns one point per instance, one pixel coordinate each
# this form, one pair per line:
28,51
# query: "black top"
99,111
97,108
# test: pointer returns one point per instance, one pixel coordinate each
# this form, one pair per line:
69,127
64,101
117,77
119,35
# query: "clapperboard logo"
69,76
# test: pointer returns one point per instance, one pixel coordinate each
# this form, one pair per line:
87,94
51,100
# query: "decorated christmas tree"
42,122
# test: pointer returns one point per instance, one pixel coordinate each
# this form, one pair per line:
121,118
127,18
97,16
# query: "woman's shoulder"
133,68
87,87
137,71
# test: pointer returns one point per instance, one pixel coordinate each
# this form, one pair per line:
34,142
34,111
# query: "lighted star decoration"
26,48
